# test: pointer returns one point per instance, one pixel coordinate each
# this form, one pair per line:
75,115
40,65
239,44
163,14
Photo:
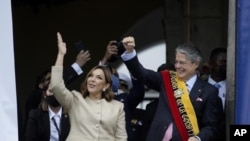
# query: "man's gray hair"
192,53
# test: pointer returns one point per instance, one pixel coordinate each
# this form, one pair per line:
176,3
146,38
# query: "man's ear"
197,64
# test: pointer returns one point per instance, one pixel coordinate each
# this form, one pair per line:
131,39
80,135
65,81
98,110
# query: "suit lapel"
64,124
197,90
46,120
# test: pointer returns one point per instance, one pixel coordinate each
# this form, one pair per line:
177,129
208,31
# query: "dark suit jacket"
207,111
38,126
221,134
130,102
148,117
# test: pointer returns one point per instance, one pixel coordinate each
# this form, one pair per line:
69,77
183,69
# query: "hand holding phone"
79,46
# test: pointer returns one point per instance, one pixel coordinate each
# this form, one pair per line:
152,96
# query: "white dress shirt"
222,89
77,68
54,136
190,82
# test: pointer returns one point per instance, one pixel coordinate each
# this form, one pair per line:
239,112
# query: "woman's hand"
62,50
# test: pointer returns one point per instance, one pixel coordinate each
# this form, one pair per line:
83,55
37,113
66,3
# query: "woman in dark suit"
40,125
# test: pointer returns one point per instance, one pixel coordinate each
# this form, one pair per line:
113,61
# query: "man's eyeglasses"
180,62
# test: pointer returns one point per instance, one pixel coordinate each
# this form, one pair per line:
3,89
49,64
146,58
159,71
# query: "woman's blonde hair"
108,94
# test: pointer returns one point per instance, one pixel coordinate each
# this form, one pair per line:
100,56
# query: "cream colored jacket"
91,120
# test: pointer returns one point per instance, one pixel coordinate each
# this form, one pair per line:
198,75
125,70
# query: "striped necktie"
188,87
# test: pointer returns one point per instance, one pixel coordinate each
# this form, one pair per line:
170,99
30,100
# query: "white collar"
52,114
119,92
211,81
190,82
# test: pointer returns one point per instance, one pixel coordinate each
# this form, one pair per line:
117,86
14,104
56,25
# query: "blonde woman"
94,115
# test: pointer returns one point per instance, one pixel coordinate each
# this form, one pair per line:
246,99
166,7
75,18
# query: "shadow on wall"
149,32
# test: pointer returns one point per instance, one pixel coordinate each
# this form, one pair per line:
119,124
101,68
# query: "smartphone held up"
79,46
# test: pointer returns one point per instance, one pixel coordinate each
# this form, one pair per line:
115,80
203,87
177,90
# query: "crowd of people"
189,108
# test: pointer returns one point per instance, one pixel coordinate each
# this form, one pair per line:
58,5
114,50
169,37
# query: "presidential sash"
181,107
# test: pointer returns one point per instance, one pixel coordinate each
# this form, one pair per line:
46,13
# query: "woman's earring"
104,90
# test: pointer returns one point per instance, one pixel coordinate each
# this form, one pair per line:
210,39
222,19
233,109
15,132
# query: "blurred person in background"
129,90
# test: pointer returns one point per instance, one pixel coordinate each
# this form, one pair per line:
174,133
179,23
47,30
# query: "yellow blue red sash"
181,107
